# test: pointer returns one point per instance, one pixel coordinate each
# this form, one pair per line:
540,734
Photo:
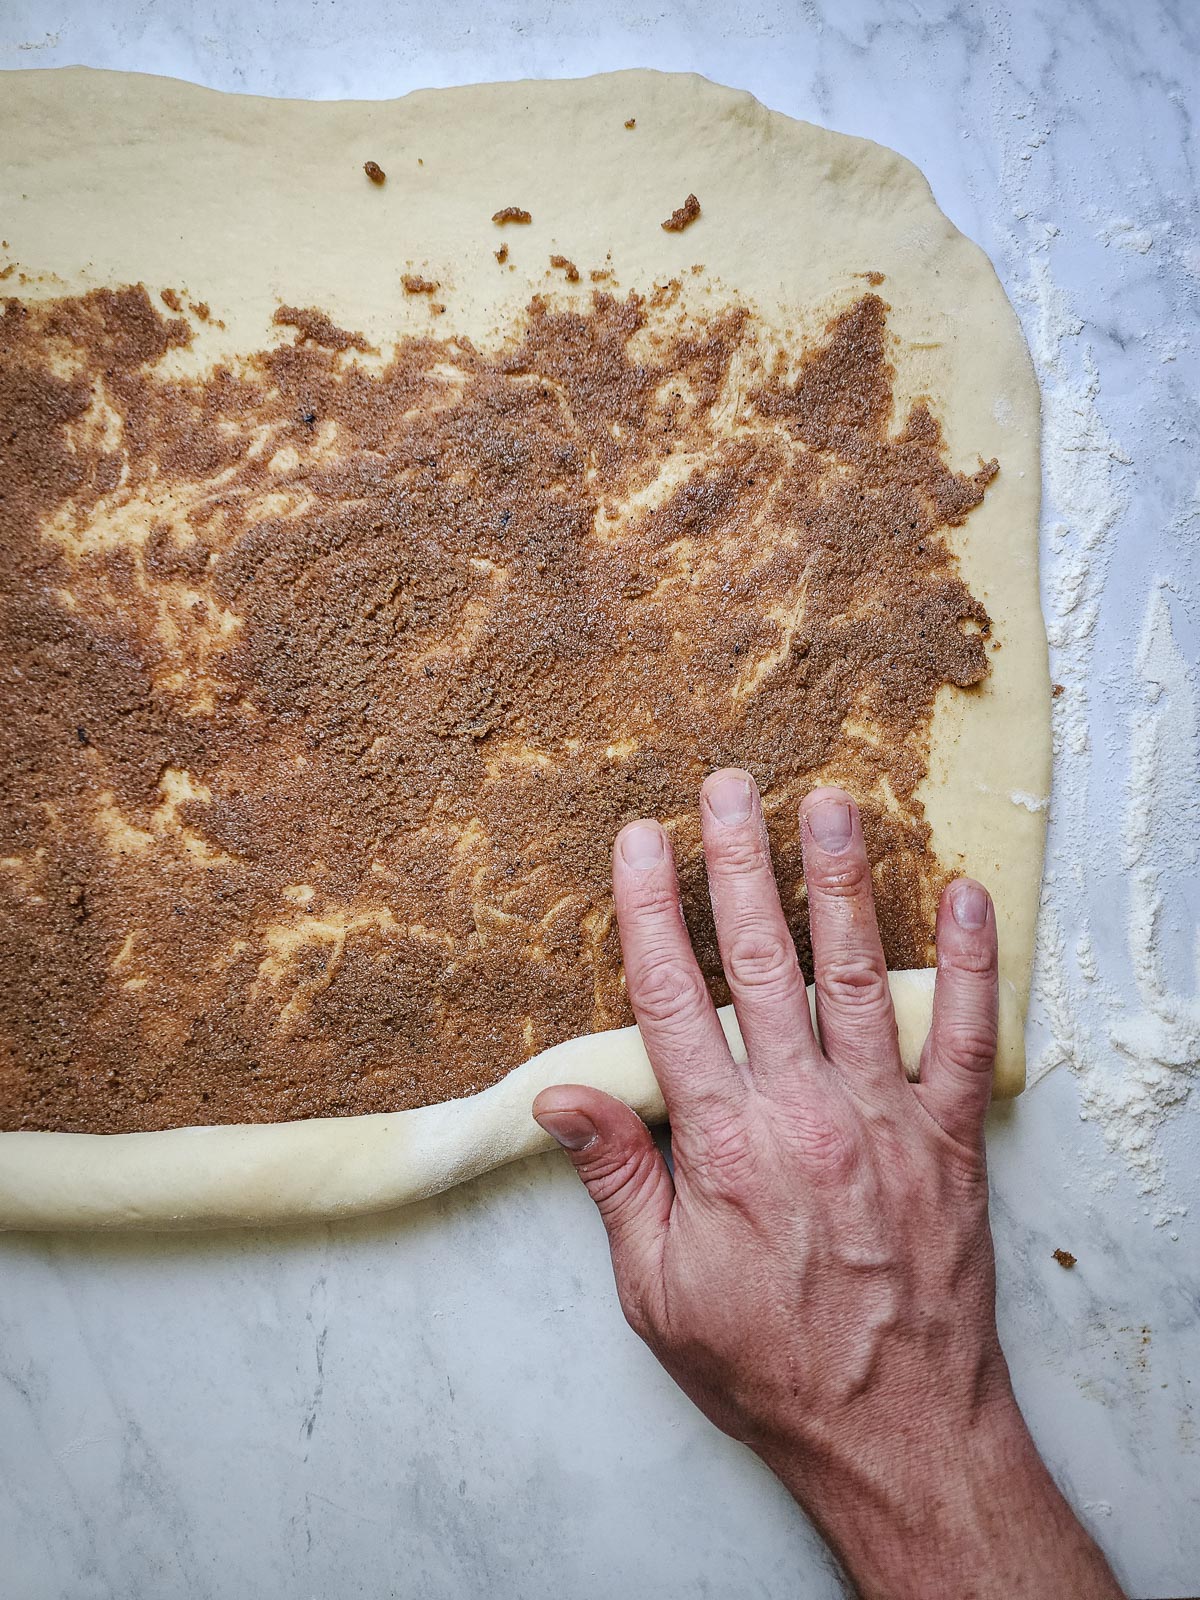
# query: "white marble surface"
446,1402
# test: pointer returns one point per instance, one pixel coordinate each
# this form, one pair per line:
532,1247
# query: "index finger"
674,1010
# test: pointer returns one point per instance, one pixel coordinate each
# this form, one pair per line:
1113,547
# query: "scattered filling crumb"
569,269
683,216
375,172
511,214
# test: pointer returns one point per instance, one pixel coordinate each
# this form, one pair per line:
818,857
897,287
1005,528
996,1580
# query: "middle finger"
854,1002
757,951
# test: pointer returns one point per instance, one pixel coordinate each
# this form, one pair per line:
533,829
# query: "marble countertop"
446,1402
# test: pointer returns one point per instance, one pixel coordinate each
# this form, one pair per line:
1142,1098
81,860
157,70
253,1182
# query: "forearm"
973,1513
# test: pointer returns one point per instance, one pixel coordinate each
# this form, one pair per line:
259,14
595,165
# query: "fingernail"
643,845
729,798
831,825
572,1129
969,904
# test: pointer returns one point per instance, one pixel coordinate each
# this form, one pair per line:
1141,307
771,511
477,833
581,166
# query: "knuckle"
970,1044
856,985
842,877
976,959
740,853
614,1174
653,898
664,989
760,960
824,1144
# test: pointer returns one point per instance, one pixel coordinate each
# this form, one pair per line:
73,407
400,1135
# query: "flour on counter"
1088,496
1136,1060
1121,231
1160,1043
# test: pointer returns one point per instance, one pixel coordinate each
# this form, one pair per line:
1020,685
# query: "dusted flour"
1135,1062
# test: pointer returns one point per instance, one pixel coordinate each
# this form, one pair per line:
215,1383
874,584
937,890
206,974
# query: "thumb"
611,1149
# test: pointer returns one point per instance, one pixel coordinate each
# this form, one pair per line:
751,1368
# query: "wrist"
947,1506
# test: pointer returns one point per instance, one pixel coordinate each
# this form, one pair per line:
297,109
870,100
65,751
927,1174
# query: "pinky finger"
960,1053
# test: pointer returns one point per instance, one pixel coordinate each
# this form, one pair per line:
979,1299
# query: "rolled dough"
112,179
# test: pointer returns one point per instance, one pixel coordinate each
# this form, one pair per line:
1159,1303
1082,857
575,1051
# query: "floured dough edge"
327,1167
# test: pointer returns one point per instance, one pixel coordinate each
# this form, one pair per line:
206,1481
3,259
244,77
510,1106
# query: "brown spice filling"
683,216
413,284
511,214
375,172
568,268
314,327
326,684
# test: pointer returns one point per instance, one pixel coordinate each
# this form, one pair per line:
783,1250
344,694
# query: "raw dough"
252,203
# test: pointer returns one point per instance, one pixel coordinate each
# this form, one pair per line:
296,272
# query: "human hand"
818,1273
